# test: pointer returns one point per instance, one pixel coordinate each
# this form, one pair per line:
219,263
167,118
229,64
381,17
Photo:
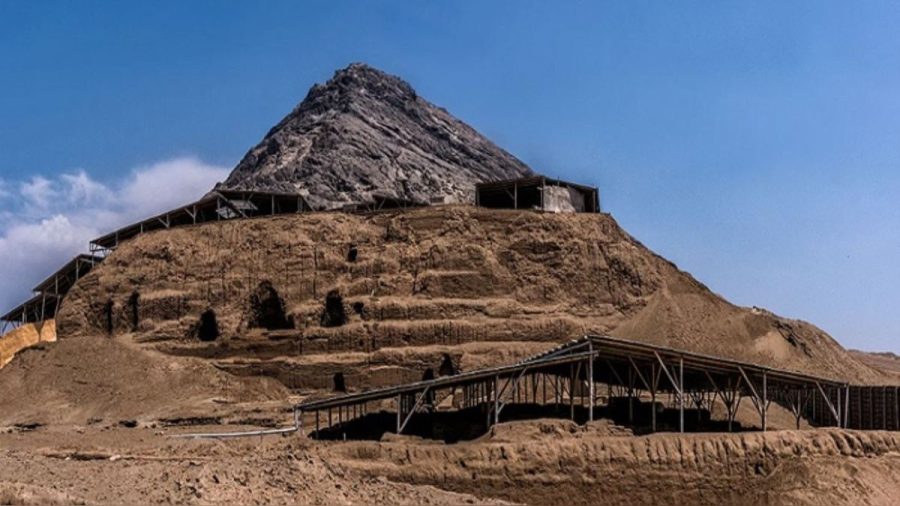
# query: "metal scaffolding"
49,293
574,375
215,206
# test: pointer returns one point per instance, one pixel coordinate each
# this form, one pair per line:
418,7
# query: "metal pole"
572,391
630,396
496,400
765,401
544,388
840,407
591,381
399,411
681,394
653,397
847,405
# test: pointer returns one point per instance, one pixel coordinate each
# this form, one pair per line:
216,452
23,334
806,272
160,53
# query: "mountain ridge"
366,133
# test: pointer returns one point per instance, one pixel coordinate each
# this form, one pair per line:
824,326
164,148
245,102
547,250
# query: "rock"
365,133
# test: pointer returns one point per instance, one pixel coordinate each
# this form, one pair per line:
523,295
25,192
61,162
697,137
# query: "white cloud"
39,193
168,184
80,190
50,220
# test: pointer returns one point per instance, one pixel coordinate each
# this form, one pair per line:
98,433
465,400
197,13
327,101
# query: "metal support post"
653,378
681,394
496,400
591,381
399,412
572,391
630,396
847,405
765,401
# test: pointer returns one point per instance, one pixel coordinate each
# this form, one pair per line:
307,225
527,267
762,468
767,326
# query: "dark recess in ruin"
134,303
108,316
447,368
352,253
334,314
267,309
358,308
429,396
339,384
209,327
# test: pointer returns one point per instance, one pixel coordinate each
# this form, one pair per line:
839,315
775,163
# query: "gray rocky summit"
365,133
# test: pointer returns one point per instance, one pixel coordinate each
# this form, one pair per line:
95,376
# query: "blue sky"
755,144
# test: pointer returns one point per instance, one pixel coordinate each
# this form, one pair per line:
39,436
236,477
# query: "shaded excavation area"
645,387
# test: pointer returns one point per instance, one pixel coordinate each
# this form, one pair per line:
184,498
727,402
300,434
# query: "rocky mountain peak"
365,133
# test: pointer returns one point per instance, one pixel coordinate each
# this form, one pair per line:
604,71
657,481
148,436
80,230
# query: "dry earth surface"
539,462
884,361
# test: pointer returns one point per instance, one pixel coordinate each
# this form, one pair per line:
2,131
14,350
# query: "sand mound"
121,466
27,335
74,380
827,467
887,362
444,276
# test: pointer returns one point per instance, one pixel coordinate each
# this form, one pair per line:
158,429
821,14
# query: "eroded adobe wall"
433,276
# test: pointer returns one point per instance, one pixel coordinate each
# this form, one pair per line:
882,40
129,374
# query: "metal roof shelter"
33,310
629,367
539,193
381,202
61,281
49,293
214,206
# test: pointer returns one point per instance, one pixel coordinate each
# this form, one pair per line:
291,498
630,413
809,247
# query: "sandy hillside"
580,464
437,278
93,379
537,462
887,362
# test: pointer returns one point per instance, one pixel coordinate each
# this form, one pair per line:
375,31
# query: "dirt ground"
536,462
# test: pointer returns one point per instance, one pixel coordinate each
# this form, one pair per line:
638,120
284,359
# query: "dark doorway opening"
108,316
339,384
267,309
134,303
447,368
334,314
209,326
352,253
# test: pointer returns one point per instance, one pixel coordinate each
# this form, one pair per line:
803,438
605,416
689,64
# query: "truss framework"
570,375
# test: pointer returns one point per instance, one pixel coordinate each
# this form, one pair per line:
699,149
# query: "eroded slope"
330,283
